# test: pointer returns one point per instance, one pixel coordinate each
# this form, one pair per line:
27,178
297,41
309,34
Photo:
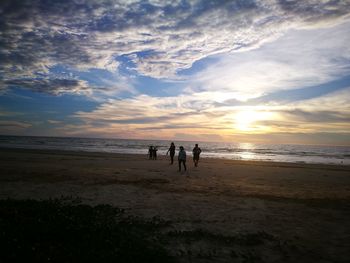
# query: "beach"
299,212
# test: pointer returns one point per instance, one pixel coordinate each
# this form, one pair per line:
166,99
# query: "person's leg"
179,165
184,162
172,158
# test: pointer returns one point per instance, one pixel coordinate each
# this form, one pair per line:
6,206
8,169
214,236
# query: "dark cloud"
51,86
314,11
13,127
39,34
16,124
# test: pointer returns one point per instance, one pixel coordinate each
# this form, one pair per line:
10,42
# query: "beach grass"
64,230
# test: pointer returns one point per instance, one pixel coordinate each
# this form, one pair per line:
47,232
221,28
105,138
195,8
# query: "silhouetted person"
182,158
155,153
150,152
172,152
196,152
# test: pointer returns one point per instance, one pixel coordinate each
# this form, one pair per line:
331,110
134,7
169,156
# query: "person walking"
196,152
182,158
172,152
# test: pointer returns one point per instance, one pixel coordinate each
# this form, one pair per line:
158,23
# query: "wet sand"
300,212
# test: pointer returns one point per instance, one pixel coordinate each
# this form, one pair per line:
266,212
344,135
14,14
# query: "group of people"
181,156
152,152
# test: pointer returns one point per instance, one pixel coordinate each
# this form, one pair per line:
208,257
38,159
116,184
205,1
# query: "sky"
260,71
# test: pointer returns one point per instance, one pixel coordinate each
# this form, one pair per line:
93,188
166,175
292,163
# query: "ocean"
227,150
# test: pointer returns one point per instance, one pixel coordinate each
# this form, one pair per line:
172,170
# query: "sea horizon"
171,140
293,153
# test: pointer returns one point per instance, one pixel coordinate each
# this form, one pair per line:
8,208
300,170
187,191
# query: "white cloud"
299,59
202,113
336,101
89,34
54,122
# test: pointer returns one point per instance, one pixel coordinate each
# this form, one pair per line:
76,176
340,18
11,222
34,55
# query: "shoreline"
161,157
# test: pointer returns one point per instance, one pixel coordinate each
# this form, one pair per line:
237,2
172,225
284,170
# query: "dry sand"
302,210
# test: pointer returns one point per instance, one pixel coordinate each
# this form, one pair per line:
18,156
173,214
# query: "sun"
245,119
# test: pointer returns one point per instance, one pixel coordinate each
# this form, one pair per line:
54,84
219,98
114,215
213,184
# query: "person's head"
196,144
172,143
181,148
151,147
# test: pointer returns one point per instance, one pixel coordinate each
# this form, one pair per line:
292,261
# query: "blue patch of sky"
127,66
144,84
159,88
199,65
33,106
95,77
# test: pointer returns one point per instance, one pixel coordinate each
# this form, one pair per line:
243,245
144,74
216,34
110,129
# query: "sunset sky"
272,71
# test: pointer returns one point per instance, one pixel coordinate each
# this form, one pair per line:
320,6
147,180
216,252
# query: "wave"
239,151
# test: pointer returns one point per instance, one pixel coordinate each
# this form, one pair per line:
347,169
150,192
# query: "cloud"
54,122
14,124
200,113
143,116
47,85
5,113
161,38
300,59
256,56
13,127
321,116
327,113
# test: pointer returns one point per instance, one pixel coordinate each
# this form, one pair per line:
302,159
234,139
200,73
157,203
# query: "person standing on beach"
172,152
155,153
196,152
150,152
182,158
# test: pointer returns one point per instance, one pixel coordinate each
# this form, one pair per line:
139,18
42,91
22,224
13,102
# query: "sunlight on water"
234,151
249,154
